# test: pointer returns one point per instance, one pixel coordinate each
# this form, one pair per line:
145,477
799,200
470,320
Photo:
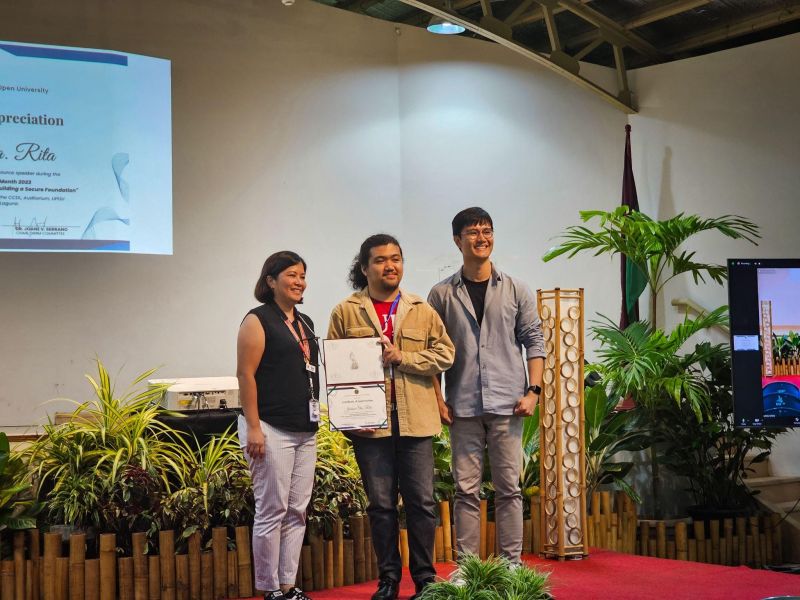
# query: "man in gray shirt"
490,318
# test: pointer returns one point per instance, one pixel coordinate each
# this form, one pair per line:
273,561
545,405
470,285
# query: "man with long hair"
398,459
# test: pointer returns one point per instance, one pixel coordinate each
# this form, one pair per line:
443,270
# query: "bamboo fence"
47,567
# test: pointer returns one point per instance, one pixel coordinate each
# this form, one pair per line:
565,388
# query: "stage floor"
615,576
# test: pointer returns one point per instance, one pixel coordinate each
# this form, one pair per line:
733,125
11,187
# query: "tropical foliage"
713,454
491,579
18,507
653,246
609,433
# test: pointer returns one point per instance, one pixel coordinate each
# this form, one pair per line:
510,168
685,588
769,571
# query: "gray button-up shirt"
489,374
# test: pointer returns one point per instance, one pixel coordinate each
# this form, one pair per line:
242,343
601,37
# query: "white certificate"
357,407
351,361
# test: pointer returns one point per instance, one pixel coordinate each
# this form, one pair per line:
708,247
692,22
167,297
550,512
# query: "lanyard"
303,343
387,316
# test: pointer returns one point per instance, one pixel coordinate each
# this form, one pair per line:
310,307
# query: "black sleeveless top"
281,378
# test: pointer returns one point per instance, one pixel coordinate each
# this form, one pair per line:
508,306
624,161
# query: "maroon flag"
633,281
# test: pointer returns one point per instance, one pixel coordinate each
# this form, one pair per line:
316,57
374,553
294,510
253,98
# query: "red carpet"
613,576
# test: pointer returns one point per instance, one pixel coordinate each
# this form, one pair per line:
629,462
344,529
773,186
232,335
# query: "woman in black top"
278,390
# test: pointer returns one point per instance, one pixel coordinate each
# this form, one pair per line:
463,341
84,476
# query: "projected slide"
85,151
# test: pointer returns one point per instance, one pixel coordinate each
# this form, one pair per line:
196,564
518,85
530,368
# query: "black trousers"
399,464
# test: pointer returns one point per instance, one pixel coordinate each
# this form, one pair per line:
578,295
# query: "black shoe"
274,595
388,589
295,593
421,585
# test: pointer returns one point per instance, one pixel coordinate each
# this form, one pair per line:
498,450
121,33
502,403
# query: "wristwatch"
536,389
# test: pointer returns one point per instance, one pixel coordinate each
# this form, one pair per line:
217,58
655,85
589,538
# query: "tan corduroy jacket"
426,349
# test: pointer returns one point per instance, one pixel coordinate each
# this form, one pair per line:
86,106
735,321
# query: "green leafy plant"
214,487
713,454
652,246
81,466
444,486
531,464
338,491
491,579
18,507
608,433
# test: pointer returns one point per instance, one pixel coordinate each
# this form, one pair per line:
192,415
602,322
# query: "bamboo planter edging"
330,563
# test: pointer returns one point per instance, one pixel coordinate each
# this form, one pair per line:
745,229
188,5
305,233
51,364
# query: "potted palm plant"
643,361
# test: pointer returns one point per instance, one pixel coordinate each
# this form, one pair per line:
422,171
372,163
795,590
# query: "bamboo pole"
29,579
166,554
91,582
52,550
404,547
491,533
483,526
328,555
536,524
219,552
33,549
727,528
182,577
614,532
713,556
19,565
7,579
207,575
195,565
308,575
741,534
681,542
77,566
527,533
644,538
154,577
756,542
125,567
723,551
62,578
349,570
318,560
700,538
750,560
243,560
438,545
447,541
777,538
233,575
661,539
373,559
692,550
338,553
368,573
671,550
139,546
357,533
108,566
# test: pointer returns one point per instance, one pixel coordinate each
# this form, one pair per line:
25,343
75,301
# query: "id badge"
313,410
311,368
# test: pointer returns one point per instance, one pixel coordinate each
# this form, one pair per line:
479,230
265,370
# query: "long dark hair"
356,277
275,265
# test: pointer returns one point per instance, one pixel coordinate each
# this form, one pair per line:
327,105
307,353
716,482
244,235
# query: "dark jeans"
403,464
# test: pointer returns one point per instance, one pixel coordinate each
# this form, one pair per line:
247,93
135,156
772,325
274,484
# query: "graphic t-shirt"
387,327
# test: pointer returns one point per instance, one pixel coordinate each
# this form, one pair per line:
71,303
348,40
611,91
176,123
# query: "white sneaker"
457,578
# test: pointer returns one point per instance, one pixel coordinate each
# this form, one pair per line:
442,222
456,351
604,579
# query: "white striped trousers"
282,484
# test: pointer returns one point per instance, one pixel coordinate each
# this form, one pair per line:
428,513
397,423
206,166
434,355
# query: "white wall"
306,128
720,134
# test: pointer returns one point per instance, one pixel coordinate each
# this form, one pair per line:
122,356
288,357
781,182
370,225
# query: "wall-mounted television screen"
764,299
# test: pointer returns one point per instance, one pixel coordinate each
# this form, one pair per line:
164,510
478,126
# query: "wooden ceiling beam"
510,44
789,12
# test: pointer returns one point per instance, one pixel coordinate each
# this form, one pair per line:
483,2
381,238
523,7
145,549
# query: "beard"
389,287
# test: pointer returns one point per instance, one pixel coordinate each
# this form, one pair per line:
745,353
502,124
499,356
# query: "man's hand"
445,412
526,405
255,442
391,354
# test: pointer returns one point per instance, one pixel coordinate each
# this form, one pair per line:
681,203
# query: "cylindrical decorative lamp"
562,446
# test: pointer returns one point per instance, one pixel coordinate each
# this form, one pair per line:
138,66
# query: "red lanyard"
303,343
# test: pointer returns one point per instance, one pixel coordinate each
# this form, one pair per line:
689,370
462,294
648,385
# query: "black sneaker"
295,593
388,589
421,585
274,595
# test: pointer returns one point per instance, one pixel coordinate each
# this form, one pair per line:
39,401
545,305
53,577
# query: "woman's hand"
255,442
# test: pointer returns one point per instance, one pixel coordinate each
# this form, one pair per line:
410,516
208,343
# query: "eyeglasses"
472,234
